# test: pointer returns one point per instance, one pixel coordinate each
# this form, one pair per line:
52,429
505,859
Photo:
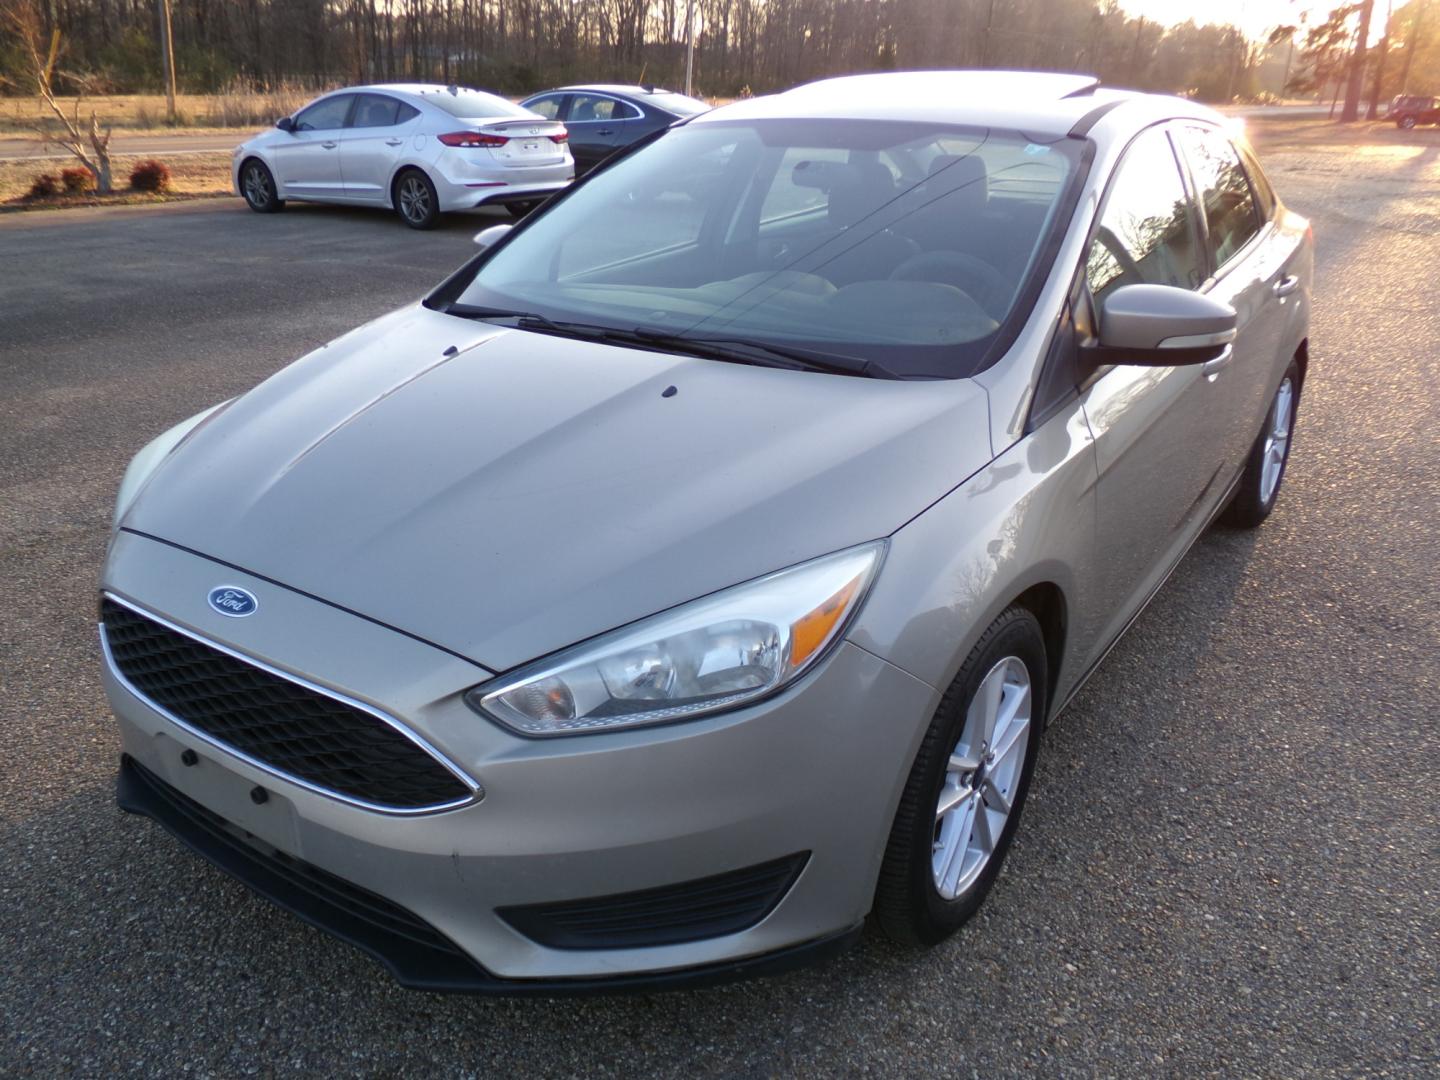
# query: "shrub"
44,186
150,176
77,180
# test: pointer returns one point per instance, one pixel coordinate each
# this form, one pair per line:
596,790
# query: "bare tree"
41,59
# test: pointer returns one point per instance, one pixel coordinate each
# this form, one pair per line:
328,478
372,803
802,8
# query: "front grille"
279,723
693,910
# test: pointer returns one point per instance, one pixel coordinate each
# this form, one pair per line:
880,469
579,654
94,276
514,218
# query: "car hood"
526,492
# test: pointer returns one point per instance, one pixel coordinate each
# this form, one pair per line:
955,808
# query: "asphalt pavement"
1230,863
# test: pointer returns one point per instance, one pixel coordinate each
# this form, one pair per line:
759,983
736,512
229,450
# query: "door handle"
605,131
393,142
1212,368
329,145
1286,285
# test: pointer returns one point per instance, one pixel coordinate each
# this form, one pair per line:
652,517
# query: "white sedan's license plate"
530,147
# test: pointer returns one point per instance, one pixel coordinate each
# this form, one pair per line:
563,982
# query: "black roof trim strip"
1090,119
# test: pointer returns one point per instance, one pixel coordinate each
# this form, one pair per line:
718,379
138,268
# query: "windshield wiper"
755,352
529,320
734,350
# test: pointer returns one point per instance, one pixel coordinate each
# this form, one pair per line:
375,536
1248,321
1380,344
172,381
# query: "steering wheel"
971,275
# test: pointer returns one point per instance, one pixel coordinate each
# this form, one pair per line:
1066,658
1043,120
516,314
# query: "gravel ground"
1229,861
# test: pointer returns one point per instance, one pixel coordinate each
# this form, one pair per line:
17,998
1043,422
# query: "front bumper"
816,770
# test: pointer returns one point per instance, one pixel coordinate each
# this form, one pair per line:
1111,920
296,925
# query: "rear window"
471,104
678,104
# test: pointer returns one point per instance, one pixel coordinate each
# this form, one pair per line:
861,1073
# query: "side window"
406,113
1145,235
587,107
1264,193
624,111
1230,216
325,115
548,107
374,110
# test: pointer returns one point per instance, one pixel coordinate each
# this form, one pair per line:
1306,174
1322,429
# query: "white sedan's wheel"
980,781
258,187
416,200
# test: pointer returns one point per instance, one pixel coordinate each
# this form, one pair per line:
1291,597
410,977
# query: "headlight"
715,653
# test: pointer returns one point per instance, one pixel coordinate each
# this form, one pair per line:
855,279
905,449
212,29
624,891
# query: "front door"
1159,432
307,160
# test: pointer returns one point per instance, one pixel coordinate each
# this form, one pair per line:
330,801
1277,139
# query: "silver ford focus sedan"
691,575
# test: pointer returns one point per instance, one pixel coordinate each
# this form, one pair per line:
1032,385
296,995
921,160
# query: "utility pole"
1376,87
985,41
167,55
1357,65
1135,53
689,48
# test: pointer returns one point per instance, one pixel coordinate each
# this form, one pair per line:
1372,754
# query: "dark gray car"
604,118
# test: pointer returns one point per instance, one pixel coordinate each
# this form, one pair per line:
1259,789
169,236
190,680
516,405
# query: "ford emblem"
233,601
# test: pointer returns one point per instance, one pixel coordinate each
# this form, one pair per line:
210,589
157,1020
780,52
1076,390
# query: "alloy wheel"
414,199
981,777
1277,440
257,186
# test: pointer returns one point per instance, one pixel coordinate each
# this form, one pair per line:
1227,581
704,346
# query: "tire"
518,210
257,185
936,871
415,200
1259,486
1405,123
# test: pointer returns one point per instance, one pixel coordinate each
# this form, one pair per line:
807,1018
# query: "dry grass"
195,113
191,176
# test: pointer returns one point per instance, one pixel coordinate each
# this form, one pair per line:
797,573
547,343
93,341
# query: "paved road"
13,149
1230,864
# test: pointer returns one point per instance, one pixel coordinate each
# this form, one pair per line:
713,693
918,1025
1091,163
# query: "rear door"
1248,260
372,144
596,123
308,160
1159,435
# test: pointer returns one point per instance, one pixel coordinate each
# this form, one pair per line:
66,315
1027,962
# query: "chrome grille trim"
477,792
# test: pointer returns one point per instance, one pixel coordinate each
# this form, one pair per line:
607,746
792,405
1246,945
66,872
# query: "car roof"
614,88
1033,101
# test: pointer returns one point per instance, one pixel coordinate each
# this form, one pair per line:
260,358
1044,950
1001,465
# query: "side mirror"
488,238
1162,326
286,123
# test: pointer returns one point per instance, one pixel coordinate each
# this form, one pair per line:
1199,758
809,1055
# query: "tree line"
741,46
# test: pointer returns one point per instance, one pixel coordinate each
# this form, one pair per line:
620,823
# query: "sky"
1255,17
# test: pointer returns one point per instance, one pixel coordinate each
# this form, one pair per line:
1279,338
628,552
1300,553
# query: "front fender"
1026,519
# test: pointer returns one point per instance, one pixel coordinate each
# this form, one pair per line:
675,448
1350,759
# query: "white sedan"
415,148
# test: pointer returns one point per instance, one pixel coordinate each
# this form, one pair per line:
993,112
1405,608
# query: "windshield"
905,244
